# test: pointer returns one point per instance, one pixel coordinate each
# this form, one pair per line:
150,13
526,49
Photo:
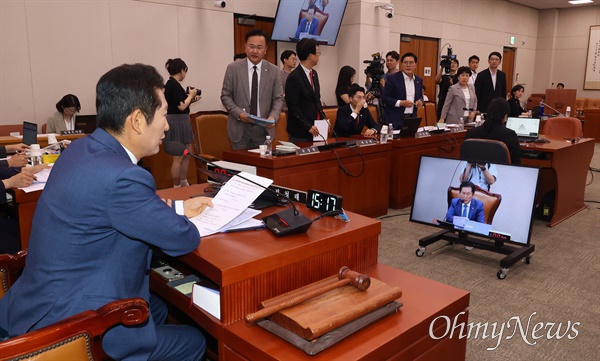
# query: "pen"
245,229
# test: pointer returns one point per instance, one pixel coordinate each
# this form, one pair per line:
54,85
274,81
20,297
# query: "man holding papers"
97,220
252,86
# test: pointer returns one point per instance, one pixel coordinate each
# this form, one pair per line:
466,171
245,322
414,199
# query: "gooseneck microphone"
287,222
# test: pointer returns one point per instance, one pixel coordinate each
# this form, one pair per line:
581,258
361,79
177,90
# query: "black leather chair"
477,150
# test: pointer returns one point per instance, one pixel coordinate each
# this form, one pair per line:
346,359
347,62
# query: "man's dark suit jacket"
346,125
395,90
303,103
91,243
484,88
5,173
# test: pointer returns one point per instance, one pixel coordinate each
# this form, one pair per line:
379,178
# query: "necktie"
254,93
464,211
307,26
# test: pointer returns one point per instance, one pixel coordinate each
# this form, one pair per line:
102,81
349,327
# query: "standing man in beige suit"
251,86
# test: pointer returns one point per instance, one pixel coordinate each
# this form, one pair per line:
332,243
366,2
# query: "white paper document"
233,199
40,183
323,127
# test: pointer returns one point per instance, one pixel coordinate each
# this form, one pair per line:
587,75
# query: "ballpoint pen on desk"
245,229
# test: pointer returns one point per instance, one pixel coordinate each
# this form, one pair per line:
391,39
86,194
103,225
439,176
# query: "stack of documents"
230,209
286,146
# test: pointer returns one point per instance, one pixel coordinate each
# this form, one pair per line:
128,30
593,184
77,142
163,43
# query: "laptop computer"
29,133
527,129
85,123
409,127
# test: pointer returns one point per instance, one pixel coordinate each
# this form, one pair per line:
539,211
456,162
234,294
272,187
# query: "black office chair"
476,150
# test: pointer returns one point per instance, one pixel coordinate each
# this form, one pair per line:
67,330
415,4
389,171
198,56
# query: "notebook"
29,133
527,129
409,127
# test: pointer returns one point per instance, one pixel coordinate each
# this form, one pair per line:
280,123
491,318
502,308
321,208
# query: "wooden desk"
564,169
41,139
406,154
255,265
402,336
159,165
366,194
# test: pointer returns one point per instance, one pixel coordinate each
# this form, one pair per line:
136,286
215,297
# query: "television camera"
447,60
375,71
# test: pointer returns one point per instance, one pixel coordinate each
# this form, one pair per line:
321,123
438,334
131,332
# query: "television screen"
318,19
501,206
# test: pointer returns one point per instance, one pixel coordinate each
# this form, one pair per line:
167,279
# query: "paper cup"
52,139
263,149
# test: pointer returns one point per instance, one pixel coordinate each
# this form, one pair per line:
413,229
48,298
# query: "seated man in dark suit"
17,160
466,205
91,242
351,118
309,24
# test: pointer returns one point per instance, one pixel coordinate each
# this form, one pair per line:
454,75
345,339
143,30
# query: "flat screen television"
291,22
511,222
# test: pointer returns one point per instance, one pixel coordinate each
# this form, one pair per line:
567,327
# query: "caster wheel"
528,260
501,274
420,252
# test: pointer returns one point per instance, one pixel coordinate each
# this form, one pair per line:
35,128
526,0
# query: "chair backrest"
421,114
281,129
477,150
331,114
319,15
593,103
491,201
373,111
559,127
78,337
580,103
534,101
210,133
431,114
11,266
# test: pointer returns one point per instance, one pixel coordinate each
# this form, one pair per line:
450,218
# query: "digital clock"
323,202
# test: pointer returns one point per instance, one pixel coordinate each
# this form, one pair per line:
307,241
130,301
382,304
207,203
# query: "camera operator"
445,78
480,174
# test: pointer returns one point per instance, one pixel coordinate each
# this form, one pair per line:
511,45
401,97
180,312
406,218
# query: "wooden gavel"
345,276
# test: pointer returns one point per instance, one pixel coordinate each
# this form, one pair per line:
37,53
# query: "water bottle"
542,108
383,136
269,144
568,112
390,132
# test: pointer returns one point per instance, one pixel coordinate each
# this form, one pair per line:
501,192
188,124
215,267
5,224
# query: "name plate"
422,134
309,150
364,142
68,132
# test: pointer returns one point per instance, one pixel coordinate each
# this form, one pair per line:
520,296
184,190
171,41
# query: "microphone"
287,222
559,113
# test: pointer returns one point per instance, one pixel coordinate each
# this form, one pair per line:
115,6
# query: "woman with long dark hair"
515,101
345,79
64,119
493,128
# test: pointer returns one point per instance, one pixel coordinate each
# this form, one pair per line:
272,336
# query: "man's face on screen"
466,194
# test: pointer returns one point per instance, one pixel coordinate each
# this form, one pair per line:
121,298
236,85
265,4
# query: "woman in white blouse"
461,101
64,118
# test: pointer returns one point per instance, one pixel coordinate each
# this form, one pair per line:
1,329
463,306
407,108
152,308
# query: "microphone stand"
287,222
559,113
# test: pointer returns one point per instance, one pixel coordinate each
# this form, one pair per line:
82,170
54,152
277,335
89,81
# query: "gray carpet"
561,284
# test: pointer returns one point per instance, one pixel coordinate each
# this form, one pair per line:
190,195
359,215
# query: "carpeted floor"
560,288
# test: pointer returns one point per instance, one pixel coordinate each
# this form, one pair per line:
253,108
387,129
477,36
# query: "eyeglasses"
408,63
466,194
257,48
494,59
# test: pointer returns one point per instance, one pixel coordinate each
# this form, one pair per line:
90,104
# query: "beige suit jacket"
235,95
455,103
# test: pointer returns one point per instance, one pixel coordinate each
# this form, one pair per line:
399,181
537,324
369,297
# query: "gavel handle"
268,311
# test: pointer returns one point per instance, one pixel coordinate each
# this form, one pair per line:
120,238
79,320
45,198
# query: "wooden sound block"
319,315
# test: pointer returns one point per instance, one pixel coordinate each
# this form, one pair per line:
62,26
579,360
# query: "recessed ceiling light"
577,2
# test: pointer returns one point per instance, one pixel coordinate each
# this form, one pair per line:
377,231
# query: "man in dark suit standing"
251,86
91,242
490,83
403,92
303,94
351,118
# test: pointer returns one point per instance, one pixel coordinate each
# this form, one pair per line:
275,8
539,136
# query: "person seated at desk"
351,118
12,178
493,128
91,242
309,24
64,119
17,160
466,206
515,101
